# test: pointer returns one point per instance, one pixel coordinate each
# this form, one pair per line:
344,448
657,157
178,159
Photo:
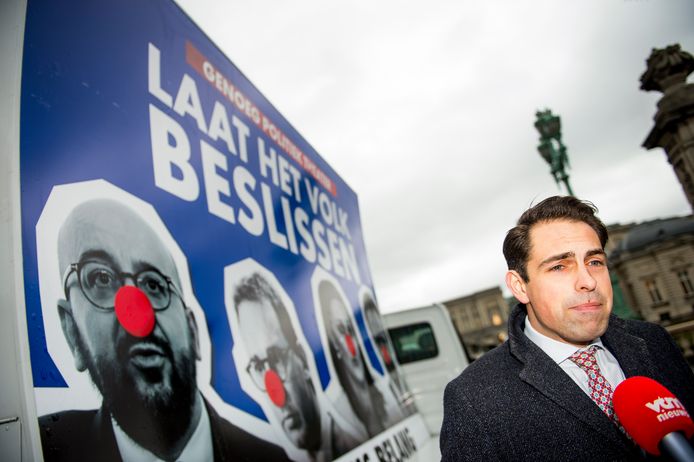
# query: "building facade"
673,128
480,319
654,262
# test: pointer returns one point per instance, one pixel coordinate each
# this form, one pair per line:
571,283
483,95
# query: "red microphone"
654,417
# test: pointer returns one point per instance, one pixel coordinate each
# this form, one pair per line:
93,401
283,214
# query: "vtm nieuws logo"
667,408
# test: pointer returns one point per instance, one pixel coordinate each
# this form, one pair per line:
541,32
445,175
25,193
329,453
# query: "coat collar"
103,442
543,374
631,351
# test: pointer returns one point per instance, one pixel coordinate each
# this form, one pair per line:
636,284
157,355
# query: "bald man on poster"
126,322
529,399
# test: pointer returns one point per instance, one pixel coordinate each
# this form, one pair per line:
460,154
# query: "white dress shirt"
199,446
560,353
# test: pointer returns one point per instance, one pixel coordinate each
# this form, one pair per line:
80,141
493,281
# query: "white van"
430,354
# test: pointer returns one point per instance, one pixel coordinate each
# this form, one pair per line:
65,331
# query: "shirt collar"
558,351
325,453
199,446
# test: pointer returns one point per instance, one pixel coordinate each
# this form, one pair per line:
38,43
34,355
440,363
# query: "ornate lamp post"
551,148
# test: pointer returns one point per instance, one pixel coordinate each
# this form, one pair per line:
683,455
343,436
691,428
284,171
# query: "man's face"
156,372
373,319
261,334
343,336
569,294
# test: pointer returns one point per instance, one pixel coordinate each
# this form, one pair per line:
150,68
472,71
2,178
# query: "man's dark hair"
370,304
517,241
256,288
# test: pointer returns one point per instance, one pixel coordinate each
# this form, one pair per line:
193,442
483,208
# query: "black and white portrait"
125,332
398,398
277,367
355,390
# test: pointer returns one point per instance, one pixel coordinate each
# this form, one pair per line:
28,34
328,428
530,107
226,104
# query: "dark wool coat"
515,403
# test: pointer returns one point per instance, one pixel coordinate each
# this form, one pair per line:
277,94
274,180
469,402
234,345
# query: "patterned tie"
600,388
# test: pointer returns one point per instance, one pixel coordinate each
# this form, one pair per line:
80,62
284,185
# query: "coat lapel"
631,352
543,374
103,442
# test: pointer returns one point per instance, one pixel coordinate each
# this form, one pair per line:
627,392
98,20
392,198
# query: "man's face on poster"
343,337
156,371
378,331
269,352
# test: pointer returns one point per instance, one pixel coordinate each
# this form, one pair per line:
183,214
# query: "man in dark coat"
88,435
126,323
529,399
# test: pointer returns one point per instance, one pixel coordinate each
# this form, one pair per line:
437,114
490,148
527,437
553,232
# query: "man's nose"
134,311
585,282
275,388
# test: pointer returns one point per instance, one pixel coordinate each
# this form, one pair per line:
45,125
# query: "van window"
414,342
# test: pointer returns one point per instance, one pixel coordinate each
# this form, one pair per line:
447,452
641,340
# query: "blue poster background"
85,115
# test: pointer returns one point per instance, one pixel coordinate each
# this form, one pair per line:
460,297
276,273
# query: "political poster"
196,279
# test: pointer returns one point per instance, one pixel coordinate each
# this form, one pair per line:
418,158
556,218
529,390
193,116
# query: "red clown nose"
134,311
275,388
350,345
386,355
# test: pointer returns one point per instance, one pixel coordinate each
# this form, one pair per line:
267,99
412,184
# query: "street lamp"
551,148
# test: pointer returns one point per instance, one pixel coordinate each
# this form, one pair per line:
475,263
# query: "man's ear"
517,286
67,322
193,326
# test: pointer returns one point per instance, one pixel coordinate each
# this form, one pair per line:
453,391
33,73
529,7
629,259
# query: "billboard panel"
196,277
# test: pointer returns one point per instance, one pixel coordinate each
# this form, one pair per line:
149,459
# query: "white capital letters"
163,130
154,76
215,184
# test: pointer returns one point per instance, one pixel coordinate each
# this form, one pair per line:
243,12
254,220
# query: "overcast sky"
426,110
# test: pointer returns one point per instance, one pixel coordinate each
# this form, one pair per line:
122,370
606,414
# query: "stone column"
667,71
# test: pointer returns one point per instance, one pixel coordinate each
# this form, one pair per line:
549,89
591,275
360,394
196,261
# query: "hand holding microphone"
655,419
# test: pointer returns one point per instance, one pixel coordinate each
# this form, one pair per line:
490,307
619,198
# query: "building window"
457,317
475,317
463,319
653,291
494,314
463,316
633,301
685,282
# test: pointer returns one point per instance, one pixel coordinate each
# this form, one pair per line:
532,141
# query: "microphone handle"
677,447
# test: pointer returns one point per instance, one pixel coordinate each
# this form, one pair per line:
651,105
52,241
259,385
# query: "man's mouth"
291,421
147,355
587,307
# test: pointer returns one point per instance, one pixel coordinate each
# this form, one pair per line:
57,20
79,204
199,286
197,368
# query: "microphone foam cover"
649,411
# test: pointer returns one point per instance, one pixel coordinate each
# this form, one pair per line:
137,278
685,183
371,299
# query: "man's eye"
596,263
557,268
257,364
152,285
100,278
